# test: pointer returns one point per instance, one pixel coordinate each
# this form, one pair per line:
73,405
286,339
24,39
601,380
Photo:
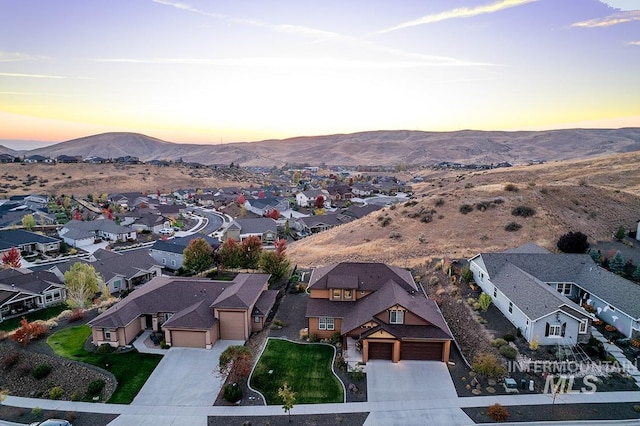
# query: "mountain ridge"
378,147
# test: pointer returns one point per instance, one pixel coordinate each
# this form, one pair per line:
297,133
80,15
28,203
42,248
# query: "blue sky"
231,71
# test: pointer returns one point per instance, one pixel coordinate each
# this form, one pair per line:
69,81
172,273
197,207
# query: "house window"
173,262
117,284
48,297
564,288
348,295
481,276
167,316
612,309
510,307
164,261
396,317
583,327
326,323
256,319
495,292
554,330
337,293
107,334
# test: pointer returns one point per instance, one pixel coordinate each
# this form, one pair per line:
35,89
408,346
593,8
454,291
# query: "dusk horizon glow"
219,72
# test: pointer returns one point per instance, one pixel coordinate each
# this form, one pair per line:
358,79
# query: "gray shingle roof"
549,267
258,225
16,237
110,264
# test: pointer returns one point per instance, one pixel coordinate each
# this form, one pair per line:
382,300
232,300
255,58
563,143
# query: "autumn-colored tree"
82,283
28,222
275,262
288,399
235,363
241,199
250,250
319,202
77,215
273,214
11,259
261,194
28,331
198,255
230,254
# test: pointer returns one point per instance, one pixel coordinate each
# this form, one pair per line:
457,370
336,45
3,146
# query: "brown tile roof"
367,276
243,293
189,299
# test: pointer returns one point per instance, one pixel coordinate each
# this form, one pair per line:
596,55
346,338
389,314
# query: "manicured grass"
43,314
305,367
132,369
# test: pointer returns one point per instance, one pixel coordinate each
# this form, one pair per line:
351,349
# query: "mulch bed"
560,412
26,415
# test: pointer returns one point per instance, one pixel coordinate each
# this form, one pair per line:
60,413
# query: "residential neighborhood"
155,296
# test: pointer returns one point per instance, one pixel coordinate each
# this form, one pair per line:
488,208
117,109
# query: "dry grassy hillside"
82,179
592,196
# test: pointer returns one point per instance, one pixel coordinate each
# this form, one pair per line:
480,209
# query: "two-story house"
377,309
263,227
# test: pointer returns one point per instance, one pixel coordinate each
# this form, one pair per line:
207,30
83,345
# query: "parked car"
166,231
52,422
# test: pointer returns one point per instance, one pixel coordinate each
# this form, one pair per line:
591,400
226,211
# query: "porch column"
446,349
365,351
396,351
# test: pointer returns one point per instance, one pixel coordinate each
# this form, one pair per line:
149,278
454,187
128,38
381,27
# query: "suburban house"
313,224
169,253
378,310
38,159
22,291
191,312
262,206
263,227
308,198
363,189
27,242
542,293
78,233
6,158
120,271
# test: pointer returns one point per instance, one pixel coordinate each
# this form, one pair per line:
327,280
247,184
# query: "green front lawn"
42,314
132,369
305,367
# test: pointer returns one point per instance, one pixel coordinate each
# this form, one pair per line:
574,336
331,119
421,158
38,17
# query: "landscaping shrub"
523,211
512,227
95,387
336,338
56,392
466,208
23,369
485,301
341,363
41,371
9,360
508,351
497,343
232,393
105,348
488,365
76,315
509,337
357,374
498,413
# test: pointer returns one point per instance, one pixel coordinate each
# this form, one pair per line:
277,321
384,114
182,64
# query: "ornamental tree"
250,251
230,254
11,259
82,283
198,255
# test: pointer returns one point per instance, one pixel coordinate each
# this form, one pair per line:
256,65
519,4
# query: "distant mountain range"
382,147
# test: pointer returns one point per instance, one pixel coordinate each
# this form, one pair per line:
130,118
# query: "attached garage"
380,350
233,325
188,339
422,351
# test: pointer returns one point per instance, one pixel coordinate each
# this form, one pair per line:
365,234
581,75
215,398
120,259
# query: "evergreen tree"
616,265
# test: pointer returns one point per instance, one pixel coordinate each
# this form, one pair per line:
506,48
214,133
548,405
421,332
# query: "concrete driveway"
408,380
185,377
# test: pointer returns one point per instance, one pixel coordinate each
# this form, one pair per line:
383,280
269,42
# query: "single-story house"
313,224
78,233
169,253
22,291
119,270
27,242
263,227
191,312
378,310
544,293
262,206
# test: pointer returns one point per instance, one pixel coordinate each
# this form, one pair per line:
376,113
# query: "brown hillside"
592,196
82,179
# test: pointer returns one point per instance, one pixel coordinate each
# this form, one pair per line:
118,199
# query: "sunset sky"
233,71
